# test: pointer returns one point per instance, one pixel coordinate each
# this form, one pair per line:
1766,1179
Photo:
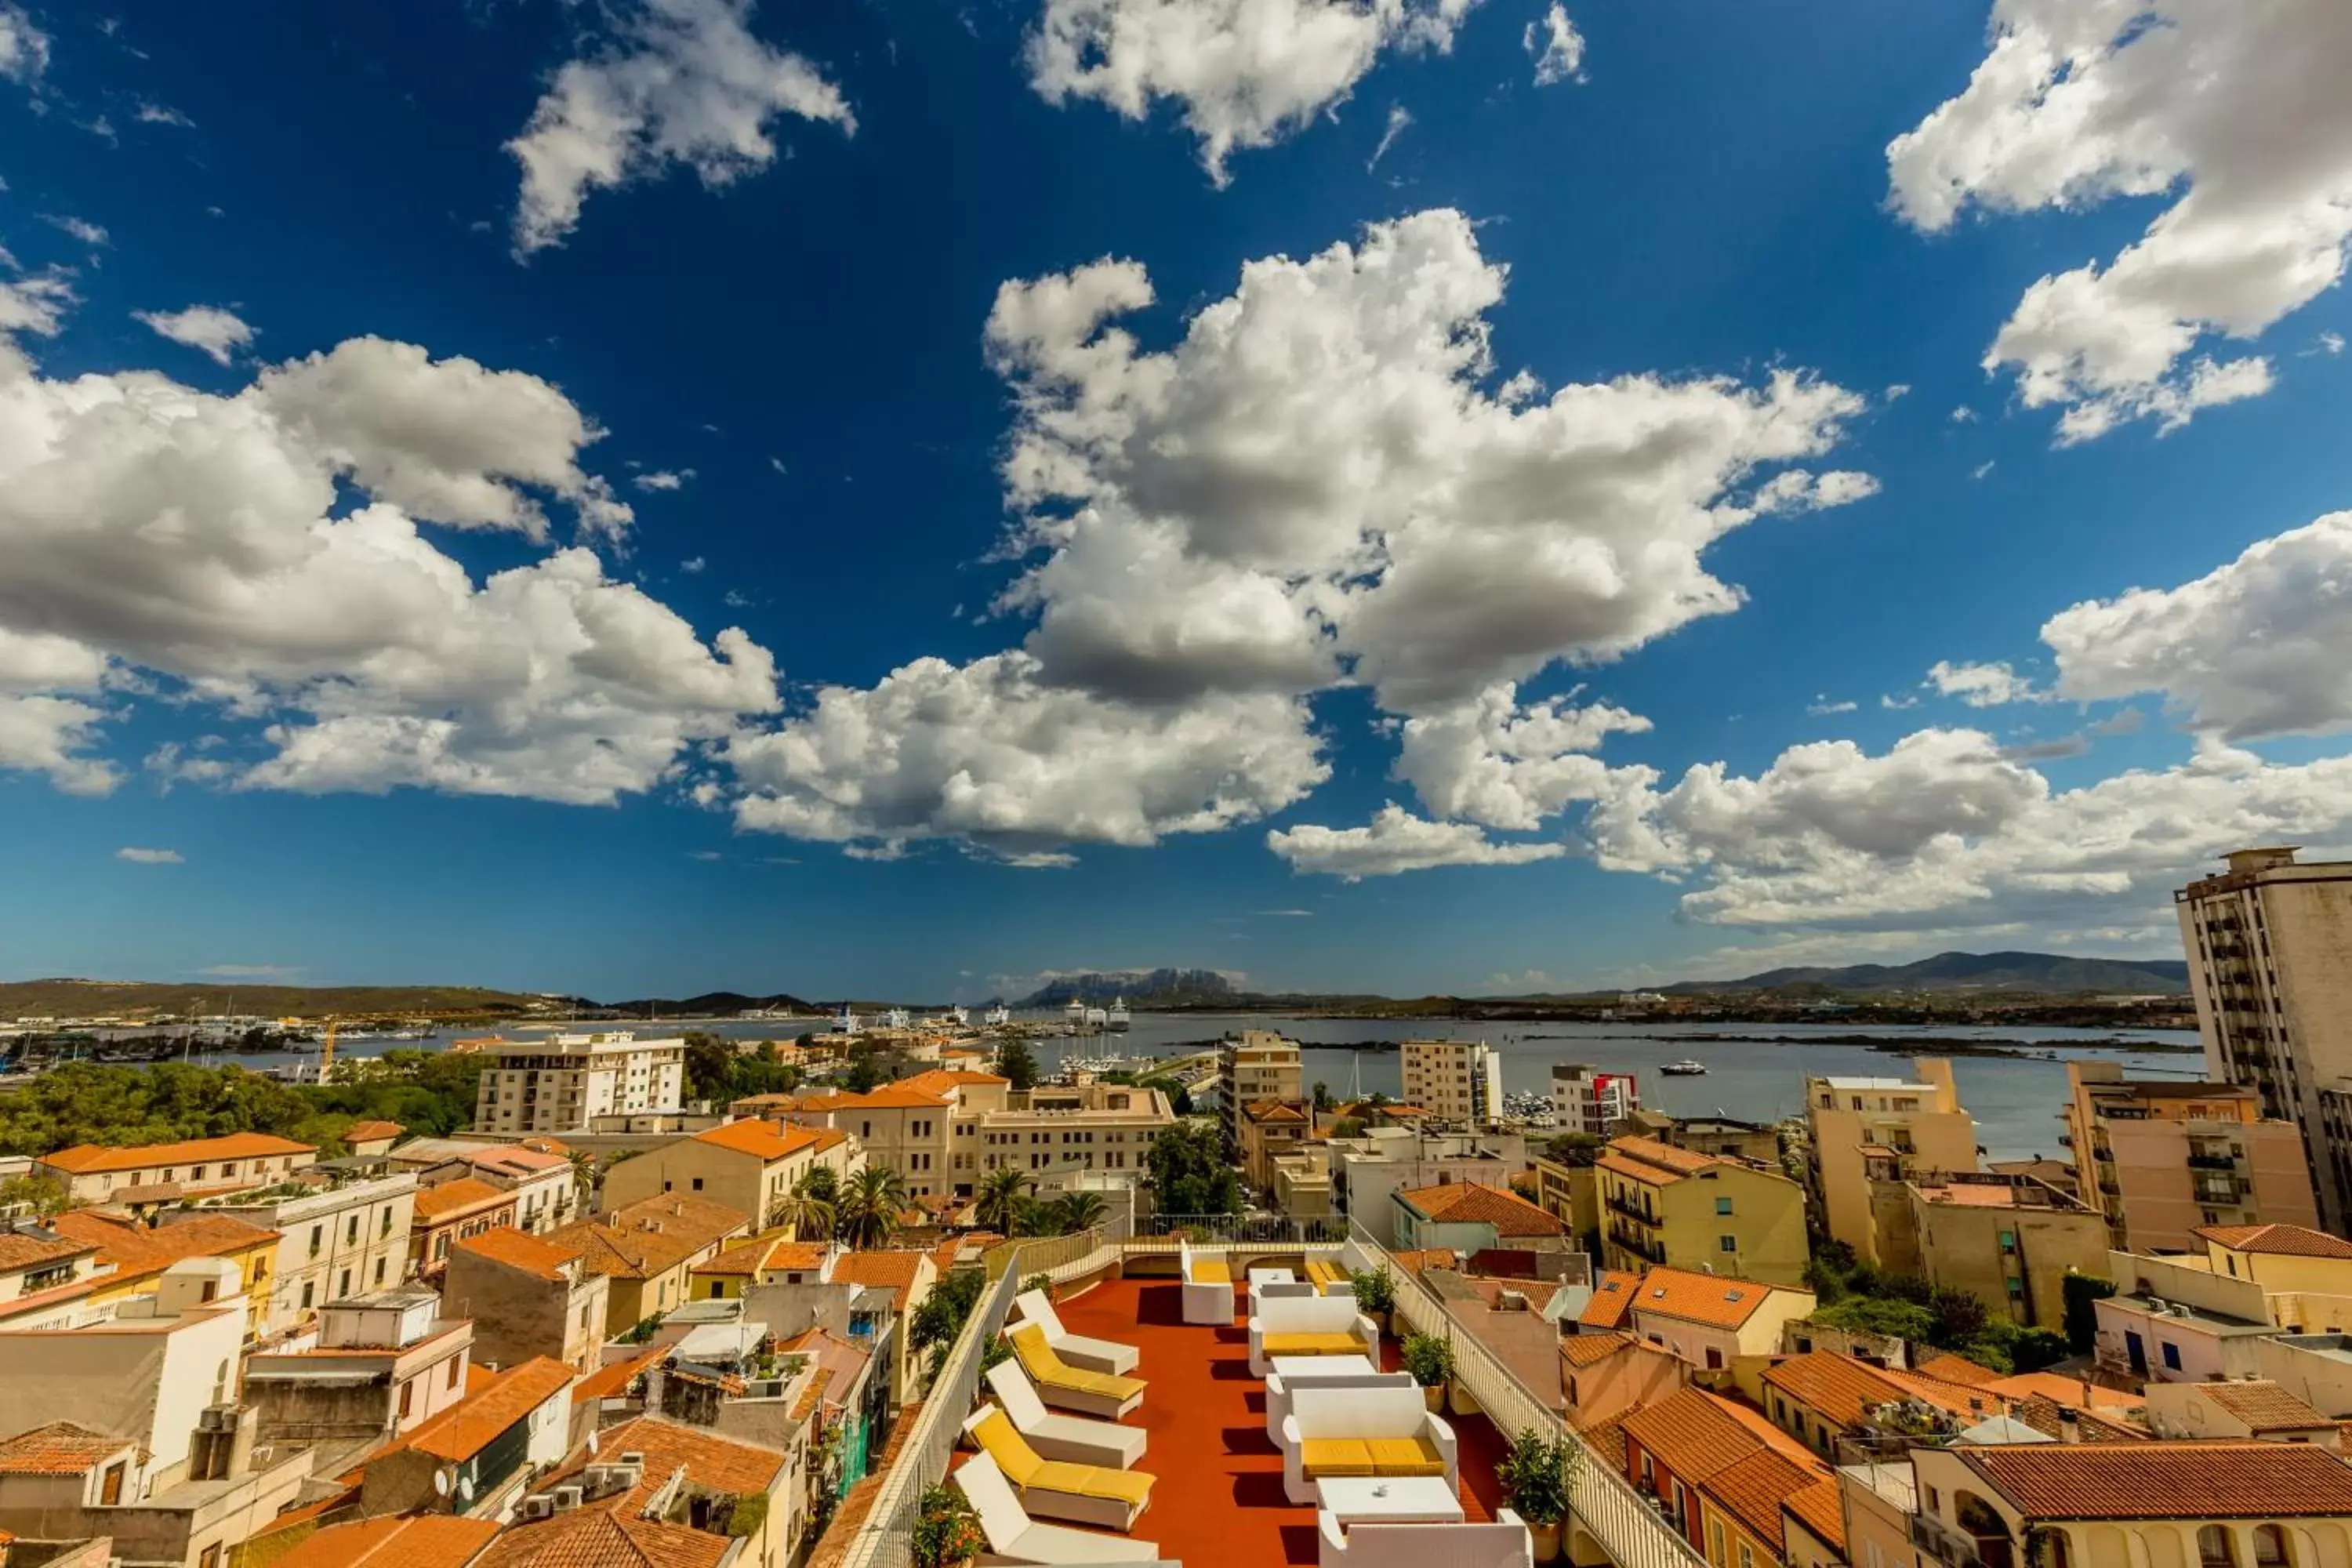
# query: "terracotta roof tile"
1952,1368
605,1535
611,1381
1586,1350
21,1251
1647,1160
372,1131
1720,1300
1696,1433
680,1214
1844,1389
2288,1240
468,1427
520,1249
2264,1406
395,1540
1819,1510
712,1462
462,1196
2071,1391
2165,1480
746,1257
1471,1203
941,1079
1752,1490
59,1448
83,1159
761,1140
1612,1306
894,1270
136,1249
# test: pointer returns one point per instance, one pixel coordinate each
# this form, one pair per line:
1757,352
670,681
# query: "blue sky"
643,498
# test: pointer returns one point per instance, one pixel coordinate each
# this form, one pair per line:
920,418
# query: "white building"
559,1084
338,1240
1584,1100
1455,1080
1366,1169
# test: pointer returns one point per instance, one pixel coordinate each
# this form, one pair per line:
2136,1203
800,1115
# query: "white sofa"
1502,1544
1278,1393
1014,1537
1089,1355
1309,1325
1383,1431
1208,1287
1072,1437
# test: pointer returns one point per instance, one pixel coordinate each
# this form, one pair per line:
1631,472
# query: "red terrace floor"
1219,1502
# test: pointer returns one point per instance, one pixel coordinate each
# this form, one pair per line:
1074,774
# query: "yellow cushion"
1037,1357
1336,1456
1109,1384
1405,1457
1313,1344
1207,1273
1322,1273
994,1432
1133,1488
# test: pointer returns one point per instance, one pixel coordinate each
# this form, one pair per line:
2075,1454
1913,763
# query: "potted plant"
1376,1294
1430,1362
1537,1473
947,1531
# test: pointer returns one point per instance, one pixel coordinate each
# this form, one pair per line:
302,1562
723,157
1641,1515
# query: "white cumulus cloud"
678,82
24,48
1396,841
1556,46
138,856
1492,761
207,329
1982,685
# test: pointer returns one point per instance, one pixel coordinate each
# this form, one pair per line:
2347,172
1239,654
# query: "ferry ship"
997,1017
1074,1016
1117,1017
847,1024
1684,1068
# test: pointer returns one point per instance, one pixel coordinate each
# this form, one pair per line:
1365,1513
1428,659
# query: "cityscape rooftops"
86,1159
892,1270
1647,1160
395,1540
1717,1300
468,1427
2263,1405
761,1140
1474,1203
462,1196
59,1448
26,1249
372,1131
134,1248
2286,1240
2165,1480
521,1250
1612,1306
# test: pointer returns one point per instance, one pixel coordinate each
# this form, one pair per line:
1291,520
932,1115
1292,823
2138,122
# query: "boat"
999,1017
1118,1016
1684,1068
1074,1013
848,1023
1097,1018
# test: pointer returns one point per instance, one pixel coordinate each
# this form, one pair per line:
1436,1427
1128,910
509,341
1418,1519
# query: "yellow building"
649,1251
1270,1128
750,1166
139,1254
1261,1065
97,1172
1569,1193
775,1259
2158,1158
1867,1129
2009,1241
1660,1204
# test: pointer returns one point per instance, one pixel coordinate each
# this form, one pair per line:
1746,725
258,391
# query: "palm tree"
810,1215
1000,1198
585,1177
868,1210
1078,1211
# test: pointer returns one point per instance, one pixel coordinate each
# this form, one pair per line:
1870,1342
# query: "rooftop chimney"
2070,1425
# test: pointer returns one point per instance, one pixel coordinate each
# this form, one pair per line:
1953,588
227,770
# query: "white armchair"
1014,1537
1087,1355
1380,1432
1505,1543
1208,1287
1309,1325
1278,1391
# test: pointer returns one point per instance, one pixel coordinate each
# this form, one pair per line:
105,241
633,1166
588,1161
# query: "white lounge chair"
1074,1388
1082,1494
1071,1438
1208,1287
1309,1325
1014,1537
1087,1355
1502,1544
1383,1432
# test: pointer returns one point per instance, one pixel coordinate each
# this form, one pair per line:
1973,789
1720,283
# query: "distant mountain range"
1141,987
2048,973
69,998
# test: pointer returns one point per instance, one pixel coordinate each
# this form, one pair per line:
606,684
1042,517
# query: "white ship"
1097,1018
1684,1068
957,1016
847,1024
897,1019
1117,1017
1074,1015
997,1017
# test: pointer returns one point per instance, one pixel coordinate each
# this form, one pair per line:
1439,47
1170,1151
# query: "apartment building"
2009,1241
559,1084
1259,1064
1467,1219
529,1295
910,1129
1709,1320
168,1173
1456,1081
650,1250
1867,1129
2158,1158
135,1256
1756,1140
347,1235
1742,1492
1584,1100
2198,1316
1063,1131
384,1363
45,1275
449,1214
1660,1204
750,1166
2269,944
1366,1169
1270,1128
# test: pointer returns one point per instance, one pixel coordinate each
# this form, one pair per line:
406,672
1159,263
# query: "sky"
891,499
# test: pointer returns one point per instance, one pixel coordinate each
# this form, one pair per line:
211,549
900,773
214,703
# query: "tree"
1179,1099
809,1215
709,1068
39,1194
1001,1192
1322,1097
1576,1150
1016,1063
822,1182
870,1205
1346,1127
1956,1318
586,1178
943,1314
2081,1293
1076,1211
866,1072
1190,1174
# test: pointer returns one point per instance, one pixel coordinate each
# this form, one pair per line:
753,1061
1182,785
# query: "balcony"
1634,1242
1619,1206
2211,1162
1955,1550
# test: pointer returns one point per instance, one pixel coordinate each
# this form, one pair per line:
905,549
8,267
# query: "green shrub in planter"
946,1532
1376,1291
1429,1359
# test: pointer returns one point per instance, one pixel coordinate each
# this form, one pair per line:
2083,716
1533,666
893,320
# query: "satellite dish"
441,1482
465,1489
592,1443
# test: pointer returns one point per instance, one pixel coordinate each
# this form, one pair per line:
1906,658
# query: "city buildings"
2161,1158
342,1235
450,1213
1258,1064
1868,1128
1269,1129
1709,1320
167,1172
383,1364
750,1166
2269,944
562,1084
650,1250
2198,1316
1367,1168
1661,1205
1723,1135
1466,1217
529,1295
134,1256
2010,1241
1736,1488
1459,1082
1586,1101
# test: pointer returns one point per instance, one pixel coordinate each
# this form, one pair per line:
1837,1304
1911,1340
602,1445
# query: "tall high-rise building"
2160,1158
1584,1100
1455,1080
1869,1131
560,1083
1260,1065
2269,944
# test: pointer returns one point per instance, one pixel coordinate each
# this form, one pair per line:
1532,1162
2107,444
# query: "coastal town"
892,1290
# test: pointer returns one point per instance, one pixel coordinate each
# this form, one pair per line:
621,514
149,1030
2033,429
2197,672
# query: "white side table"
1397,1500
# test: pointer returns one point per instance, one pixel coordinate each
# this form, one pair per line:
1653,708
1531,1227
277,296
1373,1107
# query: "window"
697,1183
1714,1359
1871,1557
2171,1355
1723,1205
718,1288
1714,1542
385,1227
318,1234
345,1288
453,1367
2213,1547
109,1489
2270,1546
209,1557
308,1287
1726,1244
407,1398
379,1270
1747,1558
2009,1241
352,1231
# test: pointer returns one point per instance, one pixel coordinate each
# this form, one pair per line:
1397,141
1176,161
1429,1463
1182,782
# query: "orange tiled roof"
2165,1480
753,1257
761,1140
681,1214
516,1161
2288,1240
1950,1368
1414,1260
1612,1306
370,1131
86,1158
1471,1203
889,1097
826,1137
896,1270
1819,1510
461,1196
1754,1488
1587,1349
468,1427
2264,1406
1696,1433
59,1448
713,1463
941,1079
136,1249
1718,1300
20,1251
604,1534
1844,1388
609,1381
1647,1160
519,1250
396,1541
1266,1110
2066,1391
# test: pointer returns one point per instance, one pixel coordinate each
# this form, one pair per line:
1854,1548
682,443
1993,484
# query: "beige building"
1603,1375
1302,1182
750,1166
1458,1081
2160,1157
1260,1065
46,1276
529,1295
2198,1316
345,1237
1692,1211
384,1365
2269,944
1569,1193
1270,1128
1756,1140
97,1173
557,1085
1586,1100
650,1250
2242,1410
2006,1240
1709,1320
1865,1129
1065,1130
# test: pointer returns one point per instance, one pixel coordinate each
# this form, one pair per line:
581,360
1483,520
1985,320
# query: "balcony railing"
1637,1244
1631,1211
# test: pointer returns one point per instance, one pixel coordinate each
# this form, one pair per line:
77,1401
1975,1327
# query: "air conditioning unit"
539,1508
217,1418
568,1498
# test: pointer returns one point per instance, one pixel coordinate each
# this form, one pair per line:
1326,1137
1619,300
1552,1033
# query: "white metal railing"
1603,1502
1161,1232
